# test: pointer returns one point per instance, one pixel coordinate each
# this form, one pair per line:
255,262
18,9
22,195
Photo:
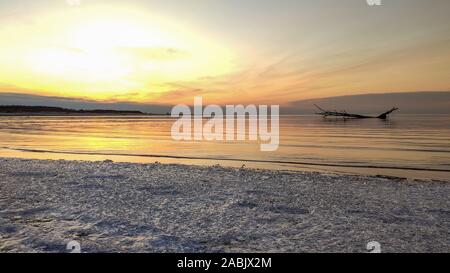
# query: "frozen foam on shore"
112,207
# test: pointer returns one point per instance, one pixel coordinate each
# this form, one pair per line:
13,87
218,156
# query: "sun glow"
107,53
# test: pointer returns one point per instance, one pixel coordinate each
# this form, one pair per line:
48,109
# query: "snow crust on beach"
125,207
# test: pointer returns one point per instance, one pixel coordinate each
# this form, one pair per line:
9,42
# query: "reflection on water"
406,145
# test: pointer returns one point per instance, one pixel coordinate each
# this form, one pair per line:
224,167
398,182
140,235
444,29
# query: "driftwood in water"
344,114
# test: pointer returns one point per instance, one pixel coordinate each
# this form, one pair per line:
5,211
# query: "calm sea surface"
406,145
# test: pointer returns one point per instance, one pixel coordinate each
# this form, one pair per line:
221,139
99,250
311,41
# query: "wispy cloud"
153,53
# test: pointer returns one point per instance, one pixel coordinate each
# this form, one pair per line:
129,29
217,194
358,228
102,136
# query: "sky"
233,51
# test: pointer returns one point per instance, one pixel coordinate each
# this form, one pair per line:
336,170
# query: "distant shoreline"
21,110
73,114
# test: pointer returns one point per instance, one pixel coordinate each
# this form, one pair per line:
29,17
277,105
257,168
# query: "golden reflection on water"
308,141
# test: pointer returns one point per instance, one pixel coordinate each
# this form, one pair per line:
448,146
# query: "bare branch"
344,114
384,115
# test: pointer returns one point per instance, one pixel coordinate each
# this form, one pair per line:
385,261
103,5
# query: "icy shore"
124,207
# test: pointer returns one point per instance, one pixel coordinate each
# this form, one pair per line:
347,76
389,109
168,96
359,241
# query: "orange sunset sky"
252,51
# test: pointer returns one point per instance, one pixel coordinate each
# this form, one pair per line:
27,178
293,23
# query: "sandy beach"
125,207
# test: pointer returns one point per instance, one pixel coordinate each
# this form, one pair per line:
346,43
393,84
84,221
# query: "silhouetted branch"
344,114
384,115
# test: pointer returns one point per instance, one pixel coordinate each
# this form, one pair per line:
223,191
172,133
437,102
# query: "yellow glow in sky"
106,54
229,51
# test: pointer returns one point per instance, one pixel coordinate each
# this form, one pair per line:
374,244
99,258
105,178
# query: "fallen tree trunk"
344,114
